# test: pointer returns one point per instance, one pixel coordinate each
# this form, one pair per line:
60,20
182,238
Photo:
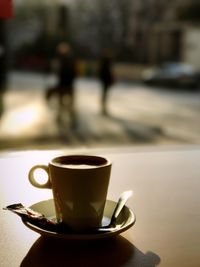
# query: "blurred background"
136,73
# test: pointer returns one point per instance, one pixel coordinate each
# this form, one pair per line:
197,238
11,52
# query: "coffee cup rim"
78,157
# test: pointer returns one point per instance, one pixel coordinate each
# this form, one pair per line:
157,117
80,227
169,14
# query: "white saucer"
125,220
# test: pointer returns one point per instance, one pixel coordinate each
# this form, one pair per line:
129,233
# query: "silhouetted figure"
5,14
66,73
106,78
2,80
3,65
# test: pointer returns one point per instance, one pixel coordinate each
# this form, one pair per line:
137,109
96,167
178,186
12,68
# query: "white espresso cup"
79,184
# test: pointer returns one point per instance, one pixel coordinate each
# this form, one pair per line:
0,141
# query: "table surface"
166,201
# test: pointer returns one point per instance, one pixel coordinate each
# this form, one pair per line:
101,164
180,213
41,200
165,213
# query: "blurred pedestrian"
6,12
66,74
2,80
3,64
106,78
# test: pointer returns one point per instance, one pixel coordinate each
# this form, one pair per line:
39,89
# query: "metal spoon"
120,204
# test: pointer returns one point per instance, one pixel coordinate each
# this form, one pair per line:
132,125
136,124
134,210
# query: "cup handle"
33,180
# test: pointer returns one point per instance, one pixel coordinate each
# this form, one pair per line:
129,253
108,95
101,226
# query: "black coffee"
80,161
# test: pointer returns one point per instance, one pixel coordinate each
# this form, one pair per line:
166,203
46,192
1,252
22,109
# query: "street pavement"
137,115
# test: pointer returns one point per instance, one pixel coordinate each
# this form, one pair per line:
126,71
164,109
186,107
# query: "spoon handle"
120,204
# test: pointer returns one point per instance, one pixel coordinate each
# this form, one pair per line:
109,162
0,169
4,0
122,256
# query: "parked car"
172,74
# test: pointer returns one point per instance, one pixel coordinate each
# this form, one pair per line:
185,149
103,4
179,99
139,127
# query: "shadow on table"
114,252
